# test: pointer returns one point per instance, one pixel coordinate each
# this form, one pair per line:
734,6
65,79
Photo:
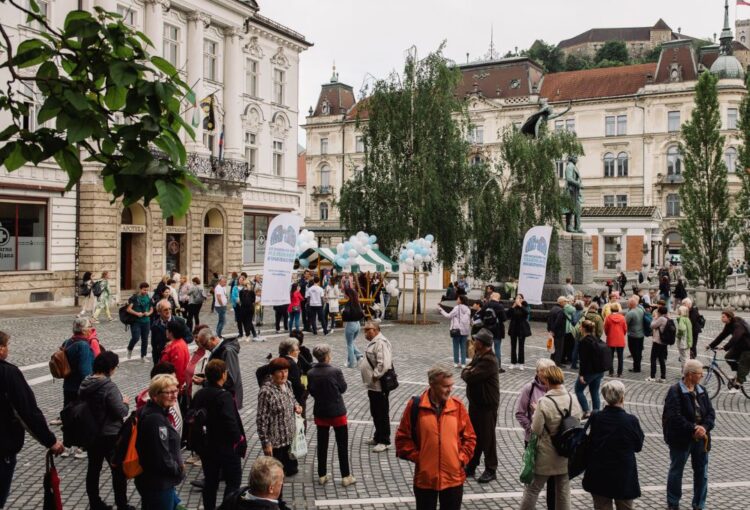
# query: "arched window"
323,211
622,164
673,204
674,161
609,165
325,176
730,158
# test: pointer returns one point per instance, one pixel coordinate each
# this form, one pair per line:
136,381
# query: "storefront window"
254,238
23,236
611,252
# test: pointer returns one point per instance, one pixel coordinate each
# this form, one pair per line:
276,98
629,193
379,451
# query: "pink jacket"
530,394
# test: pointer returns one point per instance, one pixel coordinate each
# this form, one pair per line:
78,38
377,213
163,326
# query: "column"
153,23
197,23
234,76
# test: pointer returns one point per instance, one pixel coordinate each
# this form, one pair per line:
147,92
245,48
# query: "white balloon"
409,261
375,246
313,244
353,253
362,250
394,292
339,247
427,259
410,253
418,259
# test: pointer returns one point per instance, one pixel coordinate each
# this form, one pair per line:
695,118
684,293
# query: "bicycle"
715,378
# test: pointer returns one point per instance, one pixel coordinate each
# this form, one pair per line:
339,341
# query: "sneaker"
455,365
522,367
380,448
662,380
145,359
733,391
130,353
487,477
66,453
324,479
258,339
79,454
348,480
371,442
650,379
501,370
56,421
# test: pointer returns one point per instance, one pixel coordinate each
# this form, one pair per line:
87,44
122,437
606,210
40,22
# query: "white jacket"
377,361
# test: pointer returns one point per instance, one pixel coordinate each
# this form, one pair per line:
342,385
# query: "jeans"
562,492
139,331
699,460
342,446
7,466
103,448
635,346
459,346
294,318
379,409
281,317
313,314
619,352
221,311
516,349
497,345
605,503
593,381
659,353
351,330
450,498
161,499
215,464
574,355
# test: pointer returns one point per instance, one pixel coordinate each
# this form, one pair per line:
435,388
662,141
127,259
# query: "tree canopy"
549,56
614,52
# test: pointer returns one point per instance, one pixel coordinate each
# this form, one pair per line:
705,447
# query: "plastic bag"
529,461
551,344
298,448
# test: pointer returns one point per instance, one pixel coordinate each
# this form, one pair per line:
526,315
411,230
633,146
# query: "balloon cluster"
305,241
392,288
417,253
347,252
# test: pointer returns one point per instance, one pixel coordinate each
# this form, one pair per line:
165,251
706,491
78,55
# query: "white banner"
536,245
279,260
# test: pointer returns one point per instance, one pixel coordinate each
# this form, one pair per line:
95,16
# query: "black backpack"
414,415
84,289
82,422
197,436
125,317
98,288
669,333
489,317
569,433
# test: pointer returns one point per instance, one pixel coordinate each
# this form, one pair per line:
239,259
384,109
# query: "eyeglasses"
170,392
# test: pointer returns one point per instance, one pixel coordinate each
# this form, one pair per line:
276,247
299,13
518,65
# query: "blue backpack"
647,318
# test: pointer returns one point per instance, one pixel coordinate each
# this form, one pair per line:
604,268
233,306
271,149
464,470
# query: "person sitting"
450,293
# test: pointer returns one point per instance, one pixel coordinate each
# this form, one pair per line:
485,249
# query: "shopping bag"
551,344
529,460
52,497
298,448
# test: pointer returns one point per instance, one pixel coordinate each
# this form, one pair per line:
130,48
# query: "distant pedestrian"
634,322
296,302
246,310
281,317
176,351
140,306
196,298
556,327
595,360
519,329
228,351
688,419
332,294
102,301
680,292
665,290
659,350
314,298
443,445
164,317
569,289
220,295
684,338
493,318
85,291
622,282
737,348
351,315
697,321
460,327
378,360
616,328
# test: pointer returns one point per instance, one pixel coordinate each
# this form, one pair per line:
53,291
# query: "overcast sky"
371,36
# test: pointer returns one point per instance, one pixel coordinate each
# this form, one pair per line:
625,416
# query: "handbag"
529,461
579,461
298,448
52,496
389,380
454,332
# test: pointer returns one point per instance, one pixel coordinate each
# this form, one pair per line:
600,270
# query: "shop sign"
213,231
133,229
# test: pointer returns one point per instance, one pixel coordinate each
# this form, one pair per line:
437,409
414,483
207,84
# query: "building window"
615,125
44,11
208,141
673,204
730,158
278,86
611,252
673,122
171,44
476,135
210,67
23,236
622,164
622,125
610,128
323,211
559,125
255,230
360,144
674,161
476,160
609,200
251,150
251,78
325,177
278,157
324,145
615,200
560,168
609,165
127,13
622,201
570,125
732,118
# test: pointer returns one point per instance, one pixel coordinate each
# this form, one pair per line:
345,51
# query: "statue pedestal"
575,253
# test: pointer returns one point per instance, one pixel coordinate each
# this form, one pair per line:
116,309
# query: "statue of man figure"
574,185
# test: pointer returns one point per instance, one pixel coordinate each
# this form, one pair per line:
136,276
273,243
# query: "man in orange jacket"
428,436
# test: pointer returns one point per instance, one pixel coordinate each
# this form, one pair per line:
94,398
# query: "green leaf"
8,132
47,70
109,183
79,131
174,198
15,159
164,66
69,161
115,98
76,16
123,74
77,99
30,53
108,147
34,6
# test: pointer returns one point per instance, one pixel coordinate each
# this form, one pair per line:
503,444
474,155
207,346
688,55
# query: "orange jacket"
445,444
615,328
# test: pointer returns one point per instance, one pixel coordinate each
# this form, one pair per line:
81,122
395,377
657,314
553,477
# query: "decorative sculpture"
574,186
546,113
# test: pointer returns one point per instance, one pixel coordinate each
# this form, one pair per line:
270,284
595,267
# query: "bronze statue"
574,185
534,123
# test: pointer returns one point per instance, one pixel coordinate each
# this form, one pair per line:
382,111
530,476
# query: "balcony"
669,179
322,190
213,169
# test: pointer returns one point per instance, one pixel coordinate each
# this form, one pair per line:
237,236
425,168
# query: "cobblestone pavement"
383,480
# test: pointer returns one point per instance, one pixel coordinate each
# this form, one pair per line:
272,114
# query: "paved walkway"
383,480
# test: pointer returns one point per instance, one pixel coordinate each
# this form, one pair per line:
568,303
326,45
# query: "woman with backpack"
103,294
351,315
519,330
546,423
85,290
594,361
659,347
460,328
684,334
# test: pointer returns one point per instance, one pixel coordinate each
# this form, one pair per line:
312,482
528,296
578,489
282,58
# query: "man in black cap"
483,392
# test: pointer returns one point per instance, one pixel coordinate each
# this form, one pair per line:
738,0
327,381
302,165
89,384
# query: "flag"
221,144
190,96
207,105
743,2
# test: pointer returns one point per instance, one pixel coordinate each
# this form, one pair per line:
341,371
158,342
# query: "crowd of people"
189,412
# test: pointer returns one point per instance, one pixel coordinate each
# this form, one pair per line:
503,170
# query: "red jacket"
296,299
177,353
615,328
93,341
446,444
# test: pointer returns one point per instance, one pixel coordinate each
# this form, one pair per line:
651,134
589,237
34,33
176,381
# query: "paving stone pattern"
380,476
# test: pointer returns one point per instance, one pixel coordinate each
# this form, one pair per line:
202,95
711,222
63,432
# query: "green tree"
522,190
742,205
548,56
612,51
92,72
577,63
653,54
708,229
416,178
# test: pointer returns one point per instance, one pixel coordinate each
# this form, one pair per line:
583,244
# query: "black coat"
678,420
594,356
694,316
482,382
327,385
242,499
158,446
740,336
15,394
556,321
224,430
498,330
295,378
519,321
612,471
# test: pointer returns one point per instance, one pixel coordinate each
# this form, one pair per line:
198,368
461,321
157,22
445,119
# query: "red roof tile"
507,78
338,96
358,109
680,53
596,83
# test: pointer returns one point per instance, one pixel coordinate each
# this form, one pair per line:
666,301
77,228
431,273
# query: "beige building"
228,50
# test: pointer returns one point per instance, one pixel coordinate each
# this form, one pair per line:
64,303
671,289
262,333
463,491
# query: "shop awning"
372,260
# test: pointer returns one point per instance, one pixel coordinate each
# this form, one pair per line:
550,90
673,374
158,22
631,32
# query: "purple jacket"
530,394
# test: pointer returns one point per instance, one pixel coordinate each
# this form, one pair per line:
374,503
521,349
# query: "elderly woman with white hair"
615,437
687,419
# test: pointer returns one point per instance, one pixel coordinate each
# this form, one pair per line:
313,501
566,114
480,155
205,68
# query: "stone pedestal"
575,253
